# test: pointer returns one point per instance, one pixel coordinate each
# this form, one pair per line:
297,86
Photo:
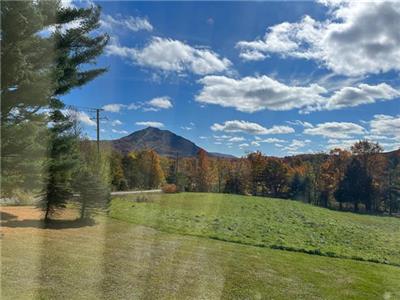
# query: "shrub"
169,188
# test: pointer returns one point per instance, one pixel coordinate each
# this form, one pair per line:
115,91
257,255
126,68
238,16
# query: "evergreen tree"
74,48
297,187
93,192
92,178
356,186
26,84
63,158
392,186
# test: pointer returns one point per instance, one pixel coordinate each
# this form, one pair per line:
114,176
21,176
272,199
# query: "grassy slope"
118,260
267,222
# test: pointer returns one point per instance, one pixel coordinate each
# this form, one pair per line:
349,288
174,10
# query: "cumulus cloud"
150,124
172,56
296,145
358,38
341,144
363,94
116,123
336,130
81,116
160,103
252,94
250,128
129,23
114,107
385,125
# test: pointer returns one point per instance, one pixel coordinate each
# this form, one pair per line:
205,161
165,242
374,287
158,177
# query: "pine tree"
63,158
356,186
93,192
297,187
74,49
26,84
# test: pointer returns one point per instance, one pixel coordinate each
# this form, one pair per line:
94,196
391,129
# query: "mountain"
164,142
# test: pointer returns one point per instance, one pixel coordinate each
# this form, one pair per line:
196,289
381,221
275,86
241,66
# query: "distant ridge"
164,142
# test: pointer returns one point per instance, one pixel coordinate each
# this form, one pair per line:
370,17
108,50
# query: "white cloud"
254,143
250,128
160,103
341,144
81,116
130,23
300,123
173,56
244,145
358,38
271,140
296,145
336,130
251,94
134,106
114,107
385,125
222,137
236,139
150,124
116,123
363,94
119,131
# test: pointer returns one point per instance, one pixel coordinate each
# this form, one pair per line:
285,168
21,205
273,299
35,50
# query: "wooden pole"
98,130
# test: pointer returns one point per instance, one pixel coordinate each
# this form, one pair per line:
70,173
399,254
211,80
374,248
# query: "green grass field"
275,223
154,253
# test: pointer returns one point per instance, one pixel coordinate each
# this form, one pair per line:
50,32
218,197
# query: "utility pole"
98,118
98,130
176,168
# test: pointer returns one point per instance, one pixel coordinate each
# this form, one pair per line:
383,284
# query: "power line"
97,118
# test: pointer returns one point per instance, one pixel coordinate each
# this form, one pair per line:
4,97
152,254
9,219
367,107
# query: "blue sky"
282,78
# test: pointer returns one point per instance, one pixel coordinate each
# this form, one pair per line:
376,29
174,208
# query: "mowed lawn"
113,259
258,221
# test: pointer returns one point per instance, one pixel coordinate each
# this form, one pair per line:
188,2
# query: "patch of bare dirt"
30,218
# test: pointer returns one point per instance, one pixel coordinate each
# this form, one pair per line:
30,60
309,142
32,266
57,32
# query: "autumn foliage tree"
203,172
275,177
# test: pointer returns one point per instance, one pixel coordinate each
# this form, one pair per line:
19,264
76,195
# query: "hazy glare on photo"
200,150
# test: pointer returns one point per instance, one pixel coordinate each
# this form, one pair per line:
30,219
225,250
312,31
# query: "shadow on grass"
51,224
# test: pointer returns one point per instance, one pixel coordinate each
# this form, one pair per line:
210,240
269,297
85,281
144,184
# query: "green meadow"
266,222
201,246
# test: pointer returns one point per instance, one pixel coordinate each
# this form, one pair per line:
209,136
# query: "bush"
169,188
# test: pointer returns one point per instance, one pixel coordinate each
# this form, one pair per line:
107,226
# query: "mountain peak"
164,142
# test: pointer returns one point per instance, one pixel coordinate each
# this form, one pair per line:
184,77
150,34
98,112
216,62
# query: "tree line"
362,179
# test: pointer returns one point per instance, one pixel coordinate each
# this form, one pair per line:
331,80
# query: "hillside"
266,222
164,142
